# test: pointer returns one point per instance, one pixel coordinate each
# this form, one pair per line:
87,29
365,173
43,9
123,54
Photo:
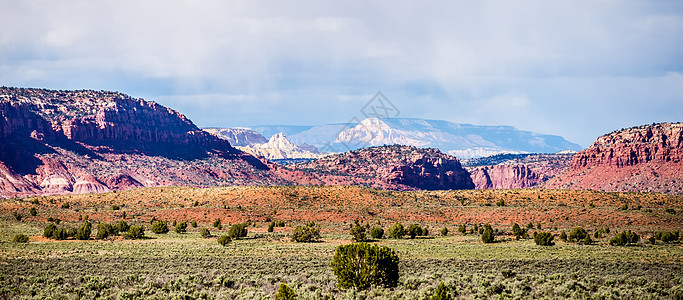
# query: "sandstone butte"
645,158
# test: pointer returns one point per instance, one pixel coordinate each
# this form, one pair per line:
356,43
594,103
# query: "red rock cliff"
644,158
392,167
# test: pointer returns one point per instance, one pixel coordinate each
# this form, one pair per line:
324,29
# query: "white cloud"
530,64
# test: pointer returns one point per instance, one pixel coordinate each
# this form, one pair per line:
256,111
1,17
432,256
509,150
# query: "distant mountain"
279,147
460,140
241,137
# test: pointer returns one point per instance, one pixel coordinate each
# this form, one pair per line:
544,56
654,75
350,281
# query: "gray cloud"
546,66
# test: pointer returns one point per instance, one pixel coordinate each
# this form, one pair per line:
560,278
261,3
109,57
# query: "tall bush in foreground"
285,293
361,265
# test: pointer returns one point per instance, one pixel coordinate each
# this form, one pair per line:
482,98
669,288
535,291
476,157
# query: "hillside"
643,158
89,141
403,167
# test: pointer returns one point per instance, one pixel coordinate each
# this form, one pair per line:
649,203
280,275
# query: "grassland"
186,266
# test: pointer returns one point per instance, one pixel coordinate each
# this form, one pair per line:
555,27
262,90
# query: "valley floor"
187,266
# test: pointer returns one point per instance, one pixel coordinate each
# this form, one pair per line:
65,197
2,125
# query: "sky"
578,69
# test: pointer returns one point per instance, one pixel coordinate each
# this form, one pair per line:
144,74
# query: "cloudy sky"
578,69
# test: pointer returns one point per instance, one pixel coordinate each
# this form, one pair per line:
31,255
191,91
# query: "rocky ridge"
397,167
513,171
643,158
87,141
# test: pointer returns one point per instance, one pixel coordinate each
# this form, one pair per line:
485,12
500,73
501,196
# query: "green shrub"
285,293
180,227
652,240
563,236
65,205
396,231
17,216
238,231
196,203
193,223
444,231
624,238
84,231
33,211
577,234
441,293
487,236
115,207
271,226
361,265
500,202
217,224
670,210
49,230
204,232
588,240
376,232
544,239
122,226
519,232
306,234
414,230
223,240
135,232
104,230
462,229
357,232
61,234
530,225
159,227
20,238
668,237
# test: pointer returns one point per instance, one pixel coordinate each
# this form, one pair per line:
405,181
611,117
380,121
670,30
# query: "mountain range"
460,140
59,142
